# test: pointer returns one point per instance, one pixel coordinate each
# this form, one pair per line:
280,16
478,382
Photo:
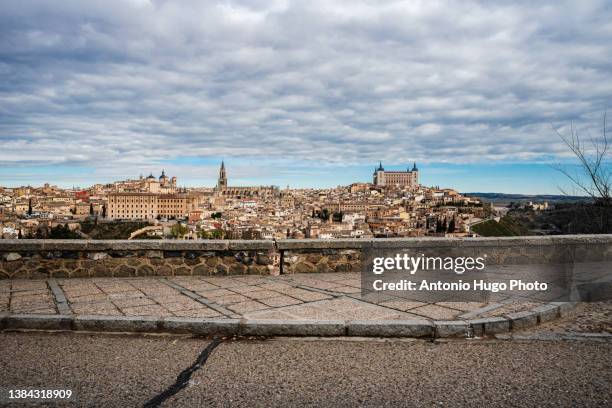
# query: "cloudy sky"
305,93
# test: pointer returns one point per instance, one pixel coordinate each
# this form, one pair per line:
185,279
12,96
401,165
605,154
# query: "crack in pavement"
182,380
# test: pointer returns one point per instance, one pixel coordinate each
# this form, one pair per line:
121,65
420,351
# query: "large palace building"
146,206
223,189
400,179
149,198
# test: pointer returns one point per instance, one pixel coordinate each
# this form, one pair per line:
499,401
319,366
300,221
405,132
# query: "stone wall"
300,256
306,255
89,258
86,258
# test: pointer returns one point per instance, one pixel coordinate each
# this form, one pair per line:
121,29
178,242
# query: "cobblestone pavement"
327,296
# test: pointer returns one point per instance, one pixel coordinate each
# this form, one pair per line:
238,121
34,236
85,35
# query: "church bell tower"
222,182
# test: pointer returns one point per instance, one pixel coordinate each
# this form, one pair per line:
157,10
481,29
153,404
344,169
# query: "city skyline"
464,178
295,92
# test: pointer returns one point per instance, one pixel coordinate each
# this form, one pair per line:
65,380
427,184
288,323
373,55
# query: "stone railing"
88,258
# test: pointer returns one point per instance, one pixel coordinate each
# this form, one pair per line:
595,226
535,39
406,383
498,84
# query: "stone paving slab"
295,298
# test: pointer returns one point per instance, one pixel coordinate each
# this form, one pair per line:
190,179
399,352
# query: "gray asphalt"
126,371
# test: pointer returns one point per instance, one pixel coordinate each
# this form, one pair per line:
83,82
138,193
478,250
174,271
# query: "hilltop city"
393,204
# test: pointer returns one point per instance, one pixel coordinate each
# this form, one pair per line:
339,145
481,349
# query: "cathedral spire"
222,182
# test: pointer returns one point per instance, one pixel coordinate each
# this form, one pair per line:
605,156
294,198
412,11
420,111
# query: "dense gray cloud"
123,84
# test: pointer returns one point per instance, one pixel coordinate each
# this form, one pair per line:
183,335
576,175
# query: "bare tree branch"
595,176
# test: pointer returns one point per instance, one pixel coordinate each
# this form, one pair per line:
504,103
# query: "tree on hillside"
178,230
218,234
451,225
91,210
594,175
30,207
439,226
62,232
324,215
104,211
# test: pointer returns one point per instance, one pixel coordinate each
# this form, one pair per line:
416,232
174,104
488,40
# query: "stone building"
164,184
400,179
81,209
222,188
150,184
146,206
352,207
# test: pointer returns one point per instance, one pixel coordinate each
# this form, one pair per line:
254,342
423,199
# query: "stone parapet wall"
301,256
322,261
89,258
85,258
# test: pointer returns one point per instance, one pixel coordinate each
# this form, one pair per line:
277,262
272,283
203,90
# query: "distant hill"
501,198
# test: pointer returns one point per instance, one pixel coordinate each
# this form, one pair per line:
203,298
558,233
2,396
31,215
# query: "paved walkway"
332,296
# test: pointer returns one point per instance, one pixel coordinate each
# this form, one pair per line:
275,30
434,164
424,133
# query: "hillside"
502,198
506,227
111,230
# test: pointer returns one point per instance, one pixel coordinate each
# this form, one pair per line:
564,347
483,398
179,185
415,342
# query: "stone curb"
116,324
489,325
390,328
205,327
422,328
325,328
452,328
546,313
522,320
36,322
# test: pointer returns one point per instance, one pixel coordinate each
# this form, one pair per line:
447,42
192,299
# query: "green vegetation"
216,215
110,230
62,232
564,218
324,214
505,199
506,227
451,225
146,236
179,230
567,218
214,234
